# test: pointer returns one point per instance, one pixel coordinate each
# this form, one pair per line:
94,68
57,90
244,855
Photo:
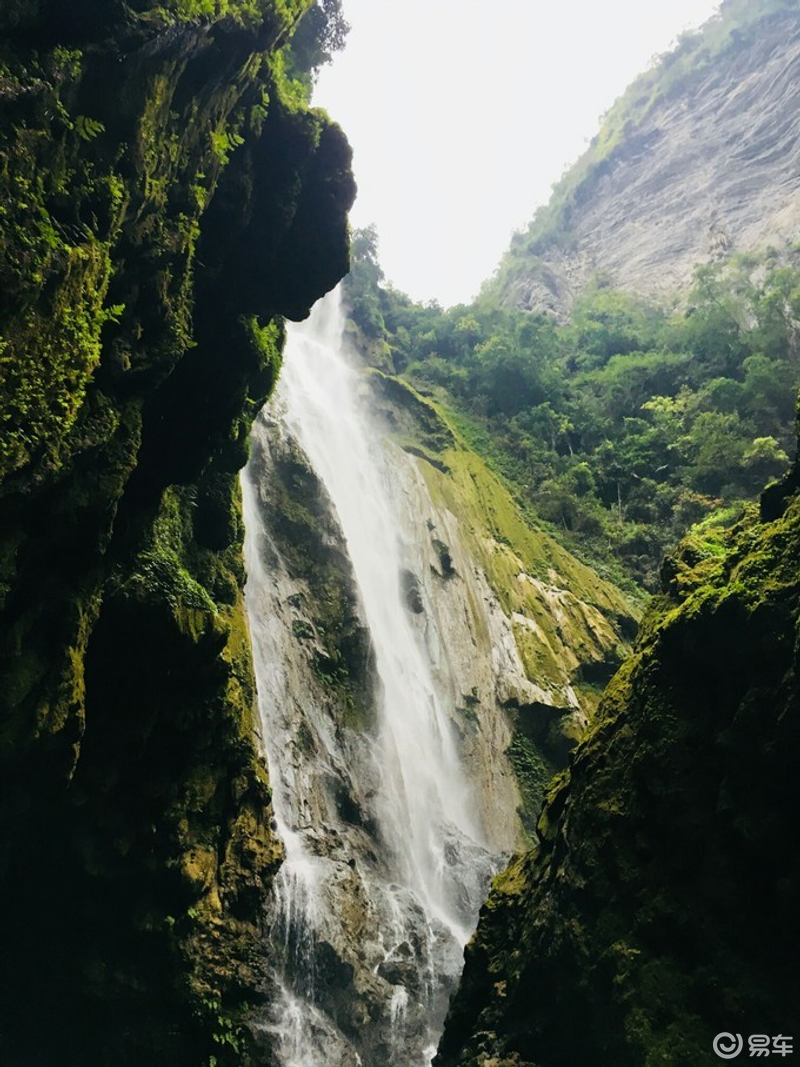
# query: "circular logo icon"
728,1046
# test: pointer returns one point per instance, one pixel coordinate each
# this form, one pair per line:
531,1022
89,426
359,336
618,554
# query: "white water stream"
371,913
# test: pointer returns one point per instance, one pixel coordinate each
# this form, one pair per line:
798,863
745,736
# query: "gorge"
383,683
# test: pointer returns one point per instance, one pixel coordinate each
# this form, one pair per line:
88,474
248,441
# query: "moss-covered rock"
570,629
660,908
166,198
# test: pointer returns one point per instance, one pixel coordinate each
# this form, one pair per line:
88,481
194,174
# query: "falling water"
371,913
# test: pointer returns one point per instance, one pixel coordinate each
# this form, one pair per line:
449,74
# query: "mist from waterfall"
375,907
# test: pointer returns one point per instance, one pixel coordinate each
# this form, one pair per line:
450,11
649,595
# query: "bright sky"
462,115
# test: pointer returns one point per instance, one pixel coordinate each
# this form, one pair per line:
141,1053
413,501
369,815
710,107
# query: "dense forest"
625,426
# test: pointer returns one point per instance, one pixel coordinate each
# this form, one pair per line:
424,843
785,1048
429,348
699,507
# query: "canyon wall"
699,159
167,196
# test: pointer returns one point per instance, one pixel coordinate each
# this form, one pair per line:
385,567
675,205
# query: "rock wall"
529,631
712,168
166,198
660,908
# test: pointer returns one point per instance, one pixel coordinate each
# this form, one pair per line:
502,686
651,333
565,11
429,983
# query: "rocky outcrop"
533,633
166,197
660,908
709,168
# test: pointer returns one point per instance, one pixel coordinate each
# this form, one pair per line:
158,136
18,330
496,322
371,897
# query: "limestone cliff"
535,633
516,636
660,908
166,197
699,158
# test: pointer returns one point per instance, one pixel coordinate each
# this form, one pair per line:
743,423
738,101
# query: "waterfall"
386,864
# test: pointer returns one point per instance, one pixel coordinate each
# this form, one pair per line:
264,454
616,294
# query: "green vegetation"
66,200
661,894
165,197
249,14
321,32
624,427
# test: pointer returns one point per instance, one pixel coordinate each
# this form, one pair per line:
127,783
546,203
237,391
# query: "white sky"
462,115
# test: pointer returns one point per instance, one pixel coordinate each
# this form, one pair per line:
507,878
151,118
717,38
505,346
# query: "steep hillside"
660,908
166,197
624,426
697,159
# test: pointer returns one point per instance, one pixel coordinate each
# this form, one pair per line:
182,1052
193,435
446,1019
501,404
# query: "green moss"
47,359
249,14
539,656
161,576
660,894
161,205
533,773
267,342
510,882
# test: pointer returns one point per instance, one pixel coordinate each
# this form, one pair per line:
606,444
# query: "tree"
764,460
362,285
768,394
717,446
321,32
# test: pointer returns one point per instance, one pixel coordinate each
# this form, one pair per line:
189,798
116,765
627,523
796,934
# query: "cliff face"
691,165
166,197
660,908
511,635
535,632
